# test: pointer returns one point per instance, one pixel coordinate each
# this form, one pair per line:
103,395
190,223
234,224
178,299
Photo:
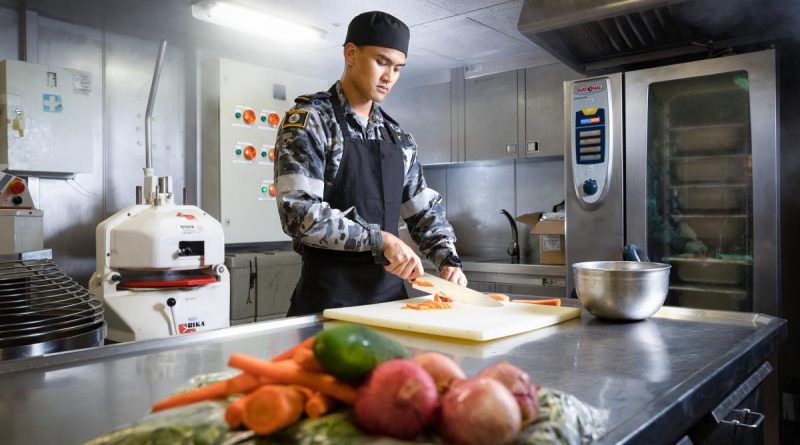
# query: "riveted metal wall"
72,208
129,64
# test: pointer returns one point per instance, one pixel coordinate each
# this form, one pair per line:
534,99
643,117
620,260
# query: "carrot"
428,305
443,297
318,405
423,283
548,302
242,384
215,390
289,372
271,408
500,297
289,353
306,360
234,412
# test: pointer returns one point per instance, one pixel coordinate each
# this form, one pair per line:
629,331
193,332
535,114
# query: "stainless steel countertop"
656,377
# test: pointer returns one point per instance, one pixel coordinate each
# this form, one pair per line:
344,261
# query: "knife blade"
457,293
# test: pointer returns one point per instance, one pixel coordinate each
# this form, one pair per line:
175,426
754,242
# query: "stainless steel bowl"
621,290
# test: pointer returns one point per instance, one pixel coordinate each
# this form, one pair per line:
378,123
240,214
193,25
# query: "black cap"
378,28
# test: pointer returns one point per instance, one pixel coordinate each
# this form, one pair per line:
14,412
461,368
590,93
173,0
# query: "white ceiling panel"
465,6
502,17
444,33
466,40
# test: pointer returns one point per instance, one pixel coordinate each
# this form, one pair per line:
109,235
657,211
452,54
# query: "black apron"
370,177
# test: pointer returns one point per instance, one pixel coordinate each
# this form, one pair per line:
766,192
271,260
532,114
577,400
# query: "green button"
238,115
264,189
263,118
238,152
263,154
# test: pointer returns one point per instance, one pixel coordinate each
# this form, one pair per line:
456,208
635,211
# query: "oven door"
701,178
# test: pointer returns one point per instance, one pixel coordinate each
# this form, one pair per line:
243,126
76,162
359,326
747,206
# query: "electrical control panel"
243,106
591,139
45,119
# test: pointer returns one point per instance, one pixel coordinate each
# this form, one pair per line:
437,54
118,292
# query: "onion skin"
399,399
441,367
479,411
519,383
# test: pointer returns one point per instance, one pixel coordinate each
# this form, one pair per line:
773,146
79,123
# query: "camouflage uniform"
309,150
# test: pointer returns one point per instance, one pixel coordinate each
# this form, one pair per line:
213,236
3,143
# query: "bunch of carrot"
274,393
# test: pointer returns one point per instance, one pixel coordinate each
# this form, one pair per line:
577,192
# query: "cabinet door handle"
511,149
758,419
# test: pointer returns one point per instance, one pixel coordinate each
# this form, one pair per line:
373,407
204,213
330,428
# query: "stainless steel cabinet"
544,110
491,127
425,112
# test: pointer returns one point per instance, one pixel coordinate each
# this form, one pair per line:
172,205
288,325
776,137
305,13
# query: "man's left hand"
454,274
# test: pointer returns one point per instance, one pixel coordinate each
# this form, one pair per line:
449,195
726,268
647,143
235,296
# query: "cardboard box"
551,237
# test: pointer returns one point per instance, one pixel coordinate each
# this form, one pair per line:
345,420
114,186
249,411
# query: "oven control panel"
590,138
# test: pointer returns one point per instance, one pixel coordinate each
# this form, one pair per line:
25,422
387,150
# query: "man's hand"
454,274
403,262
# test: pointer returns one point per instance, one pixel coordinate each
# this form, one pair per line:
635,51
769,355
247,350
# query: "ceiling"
444,33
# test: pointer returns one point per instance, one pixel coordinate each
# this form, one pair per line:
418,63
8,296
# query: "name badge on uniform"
295,118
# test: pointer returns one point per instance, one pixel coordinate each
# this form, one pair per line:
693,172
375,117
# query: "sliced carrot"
500,297
215,390
444,297
305,358
436,297
289,372
271,408
423,283
289,353
548,302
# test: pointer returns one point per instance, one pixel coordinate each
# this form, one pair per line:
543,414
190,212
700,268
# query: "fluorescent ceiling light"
256,22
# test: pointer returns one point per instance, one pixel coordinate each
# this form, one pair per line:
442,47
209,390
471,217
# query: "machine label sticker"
81,81
51,103
188,216
295,118
186,229
591,88
188,328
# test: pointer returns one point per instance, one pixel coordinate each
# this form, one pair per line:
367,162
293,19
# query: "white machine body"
184,248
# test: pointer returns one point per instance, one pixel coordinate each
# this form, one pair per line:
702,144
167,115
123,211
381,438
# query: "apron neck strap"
338,111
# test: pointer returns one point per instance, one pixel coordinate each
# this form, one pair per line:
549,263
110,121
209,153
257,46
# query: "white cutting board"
462,321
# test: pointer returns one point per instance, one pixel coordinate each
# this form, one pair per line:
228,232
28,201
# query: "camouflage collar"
375,115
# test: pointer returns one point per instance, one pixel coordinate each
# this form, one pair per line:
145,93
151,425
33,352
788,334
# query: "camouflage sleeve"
423,213
300,183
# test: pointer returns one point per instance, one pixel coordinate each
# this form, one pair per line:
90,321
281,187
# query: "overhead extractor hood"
601,36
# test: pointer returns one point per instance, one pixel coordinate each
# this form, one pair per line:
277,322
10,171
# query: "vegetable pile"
380,390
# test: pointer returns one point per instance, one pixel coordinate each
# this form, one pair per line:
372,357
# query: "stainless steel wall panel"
436,178
73,208
128,73
539,187
475,195
424,111
9,41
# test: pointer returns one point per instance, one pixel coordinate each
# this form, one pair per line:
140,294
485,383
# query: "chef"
346,173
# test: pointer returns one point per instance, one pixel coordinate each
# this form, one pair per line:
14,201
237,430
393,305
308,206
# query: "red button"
272,190
249,152
272,154
249,117
17,187
274,119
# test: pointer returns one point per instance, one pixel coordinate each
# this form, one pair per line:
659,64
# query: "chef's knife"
455,292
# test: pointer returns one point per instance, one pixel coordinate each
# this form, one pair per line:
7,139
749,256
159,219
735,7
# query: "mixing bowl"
621,290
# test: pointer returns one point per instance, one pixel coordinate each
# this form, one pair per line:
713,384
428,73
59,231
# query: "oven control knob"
590,187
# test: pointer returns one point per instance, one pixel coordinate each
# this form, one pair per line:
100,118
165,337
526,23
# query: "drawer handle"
759,418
